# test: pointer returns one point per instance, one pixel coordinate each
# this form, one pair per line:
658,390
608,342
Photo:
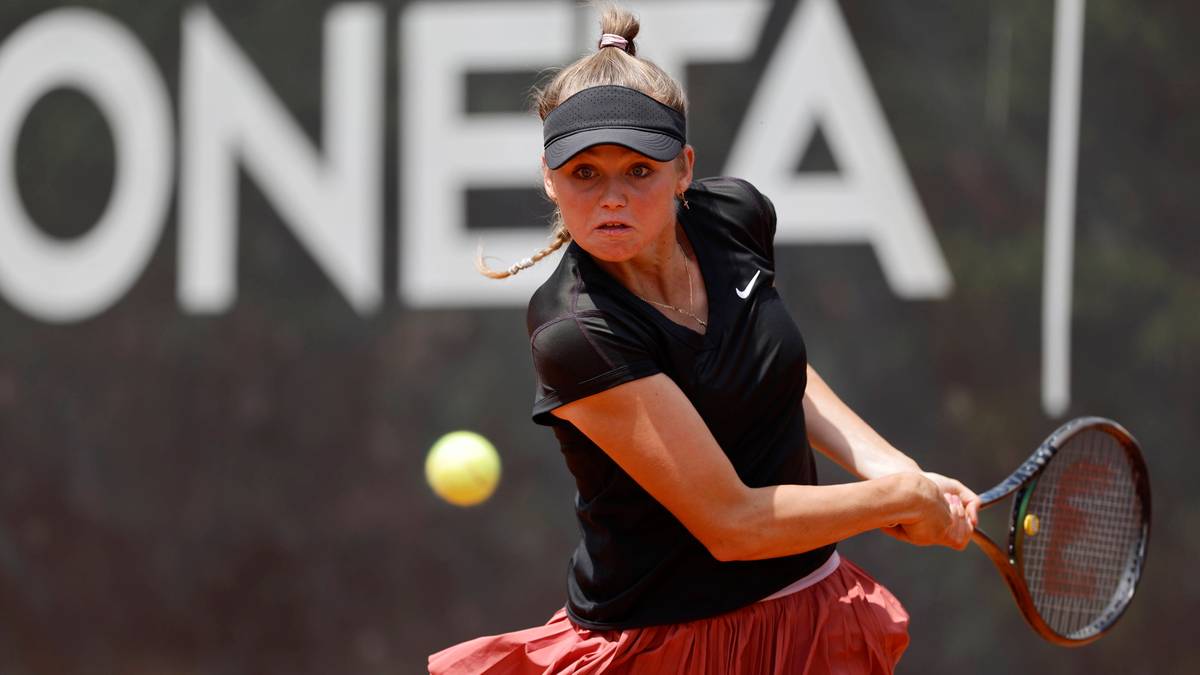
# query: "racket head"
1079,530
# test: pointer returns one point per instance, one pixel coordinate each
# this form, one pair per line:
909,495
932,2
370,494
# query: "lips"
612,227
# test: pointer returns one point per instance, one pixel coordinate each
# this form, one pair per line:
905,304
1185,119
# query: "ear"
546,182
685,165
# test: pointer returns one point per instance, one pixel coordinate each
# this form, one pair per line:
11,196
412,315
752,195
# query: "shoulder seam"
573,316
754,195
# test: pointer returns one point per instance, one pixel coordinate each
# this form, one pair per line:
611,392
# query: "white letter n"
332,203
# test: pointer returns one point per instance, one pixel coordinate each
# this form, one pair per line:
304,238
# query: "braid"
561,236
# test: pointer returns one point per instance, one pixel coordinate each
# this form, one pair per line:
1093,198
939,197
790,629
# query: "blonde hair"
607,66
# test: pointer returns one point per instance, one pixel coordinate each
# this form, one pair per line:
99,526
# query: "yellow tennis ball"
463,468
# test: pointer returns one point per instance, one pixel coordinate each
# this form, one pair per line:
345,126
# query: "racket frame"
1022,482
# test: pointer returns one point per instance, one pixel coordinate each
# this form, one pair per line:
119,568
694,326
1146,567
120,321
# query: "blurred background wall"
237,306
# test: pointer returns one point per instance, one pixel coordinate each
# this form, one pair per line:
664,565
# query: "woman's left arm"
840,434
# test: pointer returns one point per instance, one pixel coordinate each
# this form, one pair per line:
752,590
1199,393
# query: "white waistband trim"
814,577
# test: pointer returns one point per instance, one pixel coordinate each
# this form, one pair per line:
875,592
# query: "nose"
613,196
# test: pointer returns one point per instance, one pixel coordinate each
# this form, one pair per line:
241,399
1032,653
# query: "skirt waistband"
814,577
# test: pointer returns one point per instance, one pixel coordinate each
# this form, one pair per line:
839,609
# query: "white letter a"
816,76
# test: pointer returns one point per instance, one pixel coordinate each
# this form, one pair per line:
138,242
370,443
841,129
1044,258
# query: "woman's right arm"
652,431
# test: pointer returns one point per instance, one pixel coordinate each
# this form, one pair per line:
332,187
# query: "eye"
640,171
584,172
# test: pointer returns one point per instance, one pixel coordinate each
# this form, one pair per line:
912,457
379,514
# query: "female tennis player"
678,387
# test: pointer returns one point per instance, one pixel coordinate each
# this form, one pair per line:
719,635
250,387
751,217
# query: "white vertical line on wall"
1060,206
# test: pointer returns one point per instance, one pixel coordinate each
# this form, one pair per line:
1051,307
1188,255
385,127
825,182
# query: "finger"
961,533
962,525
973,512
956,507
964,493
970,503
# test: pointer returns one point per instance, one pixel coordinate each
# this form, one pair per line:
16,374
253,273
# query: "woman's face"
616,202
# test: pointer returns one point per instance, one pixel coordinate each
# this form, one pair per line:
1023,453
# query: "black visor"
611,114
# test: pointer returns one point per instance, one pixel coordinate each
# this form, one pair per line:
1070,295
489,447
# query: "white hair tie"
614,40
521,265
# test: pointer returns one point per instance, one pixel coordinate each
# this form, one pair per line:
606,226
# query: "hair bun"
618,25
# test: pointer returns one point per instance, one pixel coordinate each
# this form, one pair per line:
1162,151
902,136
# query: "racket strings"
1090,530
1083,570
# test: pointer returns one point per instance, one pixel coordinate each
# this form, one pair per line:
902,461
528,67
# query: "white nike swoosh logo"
744,293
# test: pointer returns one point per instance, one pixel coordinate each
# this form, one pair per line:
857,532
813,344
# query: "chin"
610,246
610,251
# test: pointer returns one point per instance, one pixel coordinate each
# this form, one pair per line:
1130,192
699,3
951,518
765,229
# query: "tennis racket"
1079,530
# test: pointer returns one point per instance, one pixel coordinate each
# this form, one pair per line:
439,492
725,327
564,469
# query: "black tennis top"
636,564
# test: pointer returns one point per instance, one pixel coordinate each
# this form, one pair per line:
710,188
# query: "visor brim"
653,144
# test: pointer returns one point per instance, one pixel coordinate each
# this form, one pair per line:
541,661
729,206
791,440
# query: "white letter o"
83,49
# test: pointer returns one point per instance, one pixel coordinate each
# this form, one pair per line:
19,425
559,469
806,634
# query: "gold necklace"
688,271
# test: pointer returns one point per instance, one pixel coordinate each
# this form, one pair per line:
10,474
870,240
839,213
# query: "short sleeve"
582,354
765,219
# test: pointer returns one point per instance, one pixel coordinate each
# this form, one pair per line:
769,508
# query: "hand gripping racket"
1079,530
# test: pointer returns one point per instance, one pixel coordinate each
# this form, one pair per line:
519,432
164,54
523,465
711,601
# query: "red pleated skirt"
848,624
